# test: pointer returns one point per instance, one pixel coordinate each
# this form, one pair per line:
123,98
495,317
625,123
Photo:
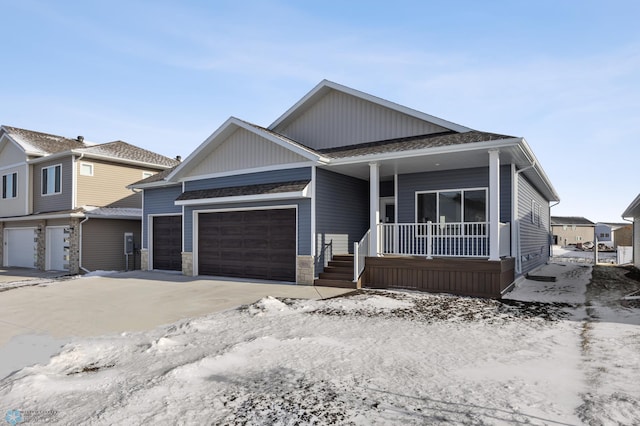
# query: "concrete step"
335,283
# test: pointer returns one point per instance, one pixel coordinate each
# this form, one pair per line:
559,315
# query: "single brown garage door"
167,243
248,244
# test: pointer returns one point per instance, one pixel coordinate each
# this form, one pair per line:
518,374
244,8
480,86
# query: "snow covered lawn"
377,357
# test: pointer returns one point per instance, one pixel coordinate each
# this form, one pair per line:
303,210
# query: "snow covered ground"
377,357
568,254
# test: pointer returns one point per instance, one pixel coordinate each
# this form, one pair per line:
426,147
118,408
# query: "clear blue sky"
165,74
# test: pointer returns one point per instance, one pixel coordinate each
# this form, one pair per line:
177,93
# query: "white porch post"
374,207
494,204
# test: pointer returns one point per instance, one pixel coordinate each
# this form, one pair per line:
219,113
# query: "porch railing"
360,252
453,239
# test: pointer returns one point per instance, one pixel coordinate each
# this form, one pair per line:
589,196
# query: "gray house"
349,189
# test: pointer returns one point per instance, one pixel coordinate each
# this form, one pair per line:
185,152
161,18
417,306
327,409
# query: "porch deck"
461,276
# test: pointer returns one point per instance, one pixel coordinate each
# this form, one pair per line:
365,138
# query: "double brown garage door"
248,244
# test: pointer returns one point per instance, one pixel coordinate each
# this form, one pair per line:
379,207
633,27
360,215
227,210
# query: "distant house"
347,188
571,230
65,204
614,234
633,212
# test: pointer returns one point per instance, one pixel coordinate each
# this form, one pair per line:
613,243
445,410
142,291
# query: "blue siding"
304,220
342,213
158,201
250,179
534,237
409,184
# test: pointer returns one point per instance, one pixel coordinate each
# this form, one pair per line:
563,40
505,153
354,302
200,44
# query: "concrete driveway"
36,320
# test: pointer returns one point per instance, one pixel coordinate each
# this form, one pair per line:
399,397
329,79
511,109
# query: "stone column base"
144,259
187,263
305,270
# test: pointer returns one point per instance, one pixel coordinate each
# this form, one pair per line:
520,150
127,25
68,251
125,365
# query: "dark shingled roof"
570,220
412,143
48,144
126,151
155,178
260,189
44,143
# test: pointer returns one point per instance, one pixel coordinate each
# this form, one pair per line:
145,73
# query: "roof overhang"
84,155
246,198
469,155
633,211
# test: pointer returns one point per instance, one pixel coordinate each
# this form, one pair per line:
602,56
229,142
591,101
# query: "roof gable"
238,145
41,144
332,115
571,220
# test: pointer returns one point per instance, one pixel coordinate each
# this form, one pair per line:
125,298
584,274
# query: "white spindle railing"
460,239
360,252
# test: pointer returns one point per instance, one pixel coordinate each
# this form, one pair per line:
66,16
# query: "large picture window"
52,180
10,185
464,205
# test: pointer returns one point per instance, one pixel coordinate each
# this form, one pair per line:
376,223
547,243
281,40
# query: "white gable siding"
244,150
340,119
10,154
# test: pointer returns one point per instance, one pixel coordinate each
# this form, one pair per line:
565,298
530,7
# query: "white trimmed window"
86,169
10,185
52,180
461,205
535,213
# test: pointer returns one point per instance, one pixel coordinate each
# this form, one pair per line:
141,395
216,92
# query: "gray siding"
103,244
250,179
534,238
57,202
450,179
304,220
342,213
158,201
340,119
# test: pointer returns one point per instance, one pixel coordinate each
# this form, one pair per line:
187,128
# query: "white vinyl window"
86,169
52,180
535,213
10,185
460,205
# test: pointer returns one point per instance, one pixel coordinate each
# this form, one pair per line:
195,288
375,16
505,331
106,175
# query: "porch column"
374,207
494,204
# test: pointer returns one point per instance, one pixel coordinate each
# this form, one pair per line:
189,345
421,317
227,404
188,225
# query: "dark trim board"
466,277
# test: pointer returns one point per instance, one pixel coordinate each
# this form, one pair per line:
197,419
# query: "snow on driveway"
378,357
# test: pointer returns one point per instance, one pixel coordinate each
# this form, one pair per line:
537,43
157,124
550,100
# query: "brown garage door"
167,243
248,244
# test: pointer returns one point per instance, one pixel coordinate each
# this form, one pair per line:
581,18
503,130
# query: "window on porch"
448,223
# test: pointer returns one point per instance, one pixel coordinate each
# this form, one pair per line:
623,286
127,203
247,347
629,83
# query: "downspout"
80,246
516,218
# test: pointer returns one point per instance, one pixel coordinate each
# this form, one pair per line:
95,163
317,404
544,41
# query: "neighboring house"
65,204
432,205
633,213
571,230
614,234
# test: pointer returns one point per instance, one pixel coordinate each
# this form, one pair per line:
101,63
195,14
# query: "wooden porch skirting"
461,276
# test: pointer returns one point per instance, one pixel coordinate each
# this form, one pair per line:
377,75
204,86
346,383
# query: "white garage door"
57,249
20,247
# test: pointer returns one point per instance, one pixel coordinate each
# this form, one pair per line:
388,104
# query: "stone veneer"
187,263
305,270
144,259
41,245
74,246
